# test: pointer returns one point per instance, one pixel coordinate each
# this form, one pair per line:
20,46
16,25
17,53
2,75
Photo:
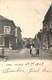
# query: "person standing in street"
37,48
31,50
37,52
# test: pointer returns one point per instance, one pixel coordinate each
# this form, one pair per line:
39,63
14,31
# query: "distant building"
38,40
27,42
8,33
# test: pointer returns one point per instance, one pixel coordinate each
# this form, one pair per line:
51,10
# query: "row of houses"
27,42
44,38
10,34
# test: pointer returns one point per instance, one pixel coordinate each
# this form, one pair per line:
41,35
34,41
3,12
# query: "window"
7,29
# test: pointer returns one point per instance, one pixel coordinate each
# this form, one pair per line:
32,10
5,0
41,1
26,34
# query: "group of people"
37,51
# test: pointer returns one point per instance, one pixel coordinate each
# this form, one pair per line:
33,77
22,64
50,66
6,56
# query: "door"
6,42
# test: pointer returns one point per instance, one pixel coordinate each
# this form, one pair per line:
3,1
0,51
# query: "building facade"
19,41
8,34
44,37
47,28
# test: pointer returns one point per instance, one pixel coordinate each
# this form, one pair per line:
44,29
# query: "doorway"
6,42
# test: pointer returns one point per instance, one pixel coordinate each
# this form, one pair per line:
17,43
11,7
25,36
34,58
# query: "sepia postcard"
25,39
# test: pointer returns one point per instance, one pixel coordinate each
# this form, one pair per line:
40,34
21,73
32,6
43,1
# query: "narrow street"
25,54
17,58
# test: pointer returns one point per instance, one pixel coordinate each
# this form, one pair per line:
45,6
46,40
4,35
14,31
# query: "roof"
19,29
48,14
3,18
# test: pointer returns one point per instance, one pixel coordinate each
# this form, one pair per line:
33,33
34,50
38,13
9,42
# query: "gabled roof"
2,18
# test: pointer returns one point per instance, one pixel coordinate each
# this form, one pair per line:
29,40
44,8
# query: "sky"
28,14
